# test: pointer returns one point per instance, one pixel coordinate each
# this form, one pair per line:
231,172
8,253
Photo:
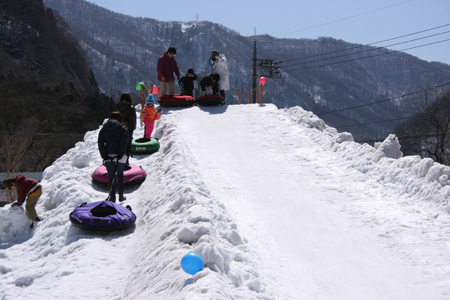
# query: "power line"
361,46
385,100
376,122
350,60
373,49
351,17
407,137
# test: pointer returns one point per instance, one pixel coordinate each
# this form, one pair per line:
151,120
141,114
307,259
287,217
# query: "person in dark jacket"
28,190
112,144
167,65
209,84
126,108
187,82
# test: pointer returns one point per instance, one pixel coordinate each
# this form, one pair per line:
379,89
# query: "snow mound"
13,223
390,148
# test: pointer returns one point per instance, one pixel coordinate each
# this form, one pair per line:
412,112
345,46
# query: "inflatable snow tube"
176,100
102,216
144,146
210,100
132,175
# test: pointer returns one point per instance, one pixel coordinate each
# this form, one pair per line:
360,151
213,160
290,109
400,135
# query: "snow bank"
422,179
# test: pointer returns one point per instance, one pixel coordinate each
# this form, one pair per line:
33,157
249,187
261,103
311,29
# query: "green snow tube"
144,146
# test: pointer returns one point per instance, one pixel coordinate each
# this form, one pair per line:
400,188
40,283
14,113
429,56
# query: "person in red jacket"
167,65
28,190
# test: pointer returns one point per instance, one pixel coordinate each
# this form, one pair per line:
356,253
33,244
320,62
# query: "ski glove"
16,204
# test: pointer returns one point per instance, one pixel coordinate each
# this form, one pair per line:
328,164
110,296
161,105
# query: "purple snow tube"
102,216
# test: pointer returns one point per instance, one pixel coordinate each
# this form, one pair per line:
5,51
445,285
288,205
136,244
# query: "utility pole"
268,68
254,74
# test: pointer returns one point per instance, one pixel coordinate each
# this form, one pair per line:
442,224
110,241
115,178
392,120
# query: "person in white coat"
220,66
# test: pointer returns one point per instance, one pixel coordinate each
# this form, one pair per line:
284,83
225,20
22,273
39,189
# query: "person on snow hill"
167,65
220,66
112,144
126,108
187,82
210,84
28,190
149,115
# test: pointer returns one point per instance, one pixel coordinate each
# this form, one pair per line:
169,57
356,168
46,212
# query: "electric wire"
343,19
361,58
406,137
370,44
385,100
375,122
368,50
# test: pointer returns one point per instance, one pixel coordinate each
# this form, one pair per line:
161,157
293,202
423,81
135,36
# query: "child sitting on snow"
149,115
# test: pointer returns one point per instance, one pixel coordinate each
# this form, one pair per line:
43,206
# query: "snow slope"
278,205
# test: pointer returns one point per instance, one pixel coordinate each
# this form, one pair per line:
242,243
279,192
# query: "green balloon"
138,86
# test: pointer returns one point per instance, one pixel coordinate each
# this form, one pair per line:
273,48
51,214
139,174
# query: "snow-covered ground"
278,205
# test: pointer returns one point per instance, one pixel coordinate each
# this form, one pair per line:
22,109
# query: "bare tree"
15,145
428,133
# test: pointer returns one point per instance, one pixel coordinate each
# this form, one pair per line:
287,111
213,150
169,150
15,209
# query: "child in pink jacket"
149,115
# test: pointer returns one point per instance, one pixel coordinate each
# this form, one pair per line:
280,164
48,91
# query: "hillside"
287,210
49,93
124,50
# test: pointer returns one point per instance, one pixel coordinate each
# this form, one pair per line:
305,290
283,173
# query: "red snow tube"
176,100
132,175
210,100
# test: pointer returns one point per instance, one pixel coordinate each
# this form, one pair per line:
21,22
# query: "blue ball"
192,263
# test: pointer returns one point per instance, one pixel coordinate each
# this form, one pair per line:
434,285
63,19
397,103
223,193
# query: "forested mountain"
50,97
123,50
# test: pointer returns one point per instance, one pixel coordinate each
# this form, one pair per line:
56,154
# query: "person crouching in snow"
209,84
28,190
149,115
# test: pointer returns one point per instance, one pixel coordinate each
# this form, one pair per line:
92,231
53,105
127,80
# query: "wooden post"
262,94
150,91
239,95
257,95
142,96
249,96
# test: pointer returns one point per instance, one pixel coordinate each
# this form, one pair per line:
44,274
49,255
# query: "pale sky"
356,21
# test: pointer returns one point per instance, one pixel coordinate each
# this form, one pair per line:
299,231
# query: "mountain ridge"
50,95
123,50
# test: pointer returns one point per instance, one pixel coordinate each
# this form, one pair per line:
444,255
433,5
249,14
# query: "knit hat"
150,100
215,77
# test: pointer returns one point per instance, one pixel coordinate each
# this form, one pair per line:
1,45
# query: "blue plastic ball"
192,263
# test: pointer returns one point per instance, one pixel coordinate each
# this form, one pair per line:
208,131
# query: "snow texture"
277,204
